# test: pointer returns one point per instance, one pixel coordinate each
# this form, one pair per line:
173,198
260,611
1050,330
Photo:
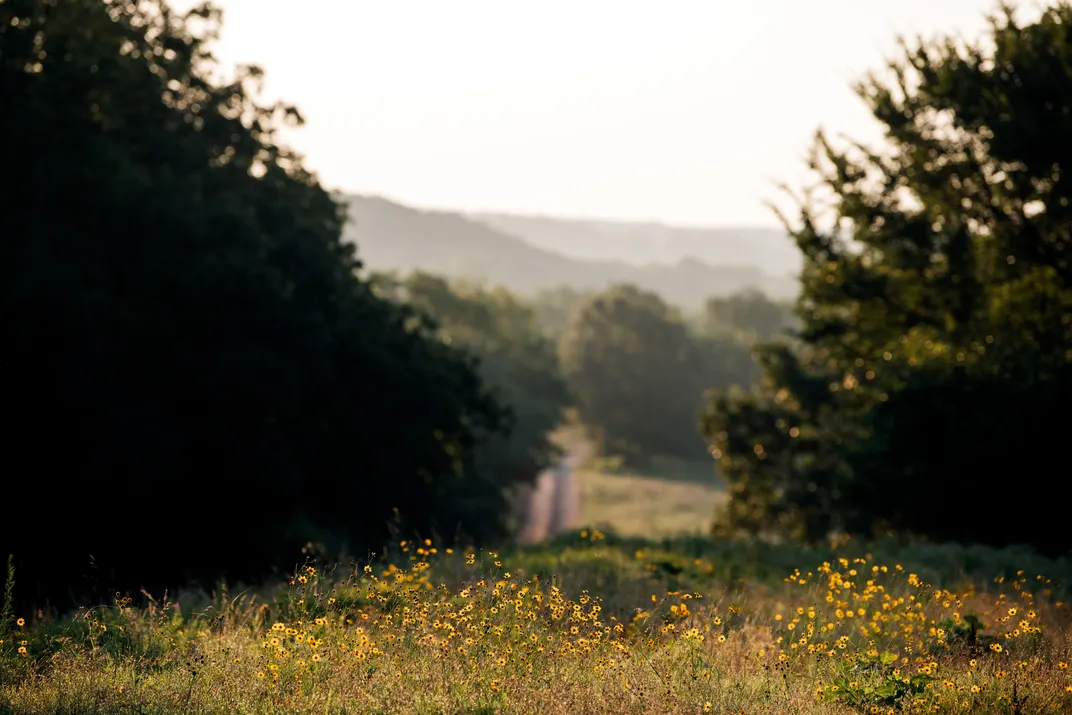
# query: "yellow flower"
707,706
20,622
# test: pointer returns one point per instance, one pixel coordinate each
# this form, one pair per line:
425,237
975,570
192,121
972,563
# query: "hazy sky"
682,111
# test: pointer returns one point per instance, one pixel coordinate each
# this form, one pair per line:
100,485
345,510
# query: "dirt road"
555,504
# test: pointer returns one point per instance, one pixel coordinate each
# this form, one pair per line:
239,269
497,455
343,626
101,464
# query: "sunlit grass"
586,624
669,499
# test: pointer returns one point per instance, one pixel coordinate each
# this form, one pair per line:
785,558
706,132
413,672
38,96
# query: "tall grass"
589,623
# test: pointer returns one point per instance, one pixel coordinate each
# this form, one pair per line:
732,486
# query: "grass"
587,623
669,499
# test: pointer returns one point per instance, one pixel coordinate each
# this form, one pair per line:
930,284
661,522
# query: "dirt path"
555,504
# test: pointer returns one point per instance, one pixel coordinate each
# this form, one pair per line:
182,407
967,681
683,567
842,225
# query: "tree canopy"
635,369
748,314
931,387
199,381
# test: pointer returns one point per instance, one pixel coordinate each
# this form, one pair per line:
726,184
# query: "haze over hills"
528,255
644,243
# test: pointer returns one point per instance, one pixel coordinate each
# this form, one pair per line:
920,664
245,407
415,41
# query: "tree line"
204,380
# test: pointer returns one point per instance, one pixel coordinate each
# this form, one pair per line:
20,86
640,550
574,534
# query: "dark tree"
197,382
931,390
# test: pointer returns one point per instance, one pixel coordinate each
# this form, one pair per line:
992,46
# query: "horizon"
688,116
476,213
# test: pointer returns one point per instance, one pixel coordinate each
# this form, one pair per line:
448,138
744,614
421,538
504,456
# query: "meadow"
669,498
588,623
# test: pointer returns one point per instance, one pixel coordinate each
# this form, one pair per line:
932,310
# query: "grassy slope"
583,624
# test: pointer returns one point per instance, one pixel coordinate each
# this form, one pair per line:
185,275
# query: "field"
671,498
587,623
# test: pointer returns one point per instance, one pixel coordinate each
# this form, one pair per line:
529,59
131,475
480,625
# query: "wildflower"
20,622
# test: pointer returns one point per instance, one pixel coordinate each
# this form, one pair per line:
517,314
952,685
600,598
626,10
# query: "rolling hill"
394,237
645,243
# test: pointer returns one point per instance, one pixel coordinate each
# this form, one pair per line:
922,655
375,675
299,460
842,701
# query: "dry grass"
438,632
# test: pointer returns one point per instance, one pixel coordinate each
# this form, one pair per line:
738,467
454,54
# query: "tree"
555,308
199,381
637,375
748,313
935,309
517,363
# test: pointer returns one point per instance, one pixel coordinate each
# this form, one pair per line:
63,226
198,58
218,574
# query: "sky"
686,112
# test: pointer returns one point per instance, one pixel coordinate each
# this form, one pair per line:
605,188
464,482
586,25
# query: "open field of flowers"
585,624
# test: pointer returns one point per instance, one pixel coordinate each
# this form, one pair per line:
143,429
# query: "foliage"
555,308
749,314
936,310
185,333
636,371
589,624
516,361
